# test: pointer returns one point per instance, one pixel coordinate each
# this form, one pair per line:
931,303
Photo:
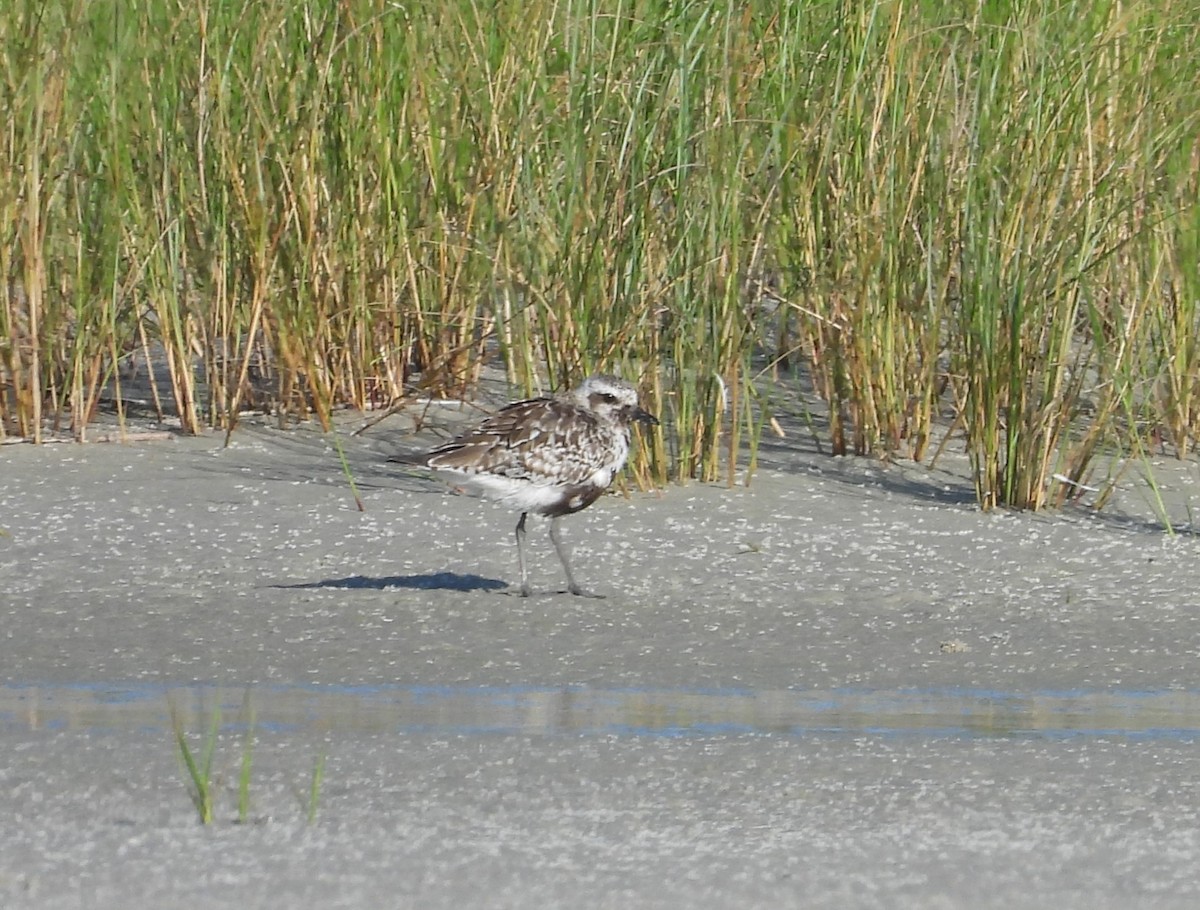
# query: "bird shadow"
435,581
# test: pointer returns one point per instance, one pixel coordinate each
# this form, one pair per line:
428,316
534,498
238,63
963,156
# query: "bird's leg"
562,555
521,555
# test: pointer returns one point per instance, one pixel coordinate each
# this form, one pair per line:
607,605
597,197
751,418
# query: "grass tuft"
198,767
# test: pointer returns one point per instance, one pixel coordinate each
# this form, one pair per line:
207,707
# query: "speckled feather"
552,456
542,440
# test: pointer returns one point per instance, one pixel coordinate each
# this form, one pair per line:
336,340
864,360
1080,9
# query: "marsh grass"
984,218
346,472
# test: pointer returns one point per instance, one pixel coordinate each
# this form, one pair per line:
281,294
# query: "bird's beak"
644,417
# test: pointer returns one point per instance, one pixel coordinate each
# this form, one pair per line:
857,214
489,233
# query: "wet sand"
744,721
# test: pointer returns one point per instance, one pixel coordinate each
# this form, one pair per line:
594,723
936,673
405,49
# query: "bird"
552,456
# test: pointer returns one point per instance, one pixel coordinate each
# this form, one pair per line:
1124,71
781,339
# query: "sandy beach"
841,686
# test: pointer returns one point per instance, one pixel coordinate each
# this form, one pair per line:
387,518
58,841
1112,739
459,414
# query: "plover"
549,456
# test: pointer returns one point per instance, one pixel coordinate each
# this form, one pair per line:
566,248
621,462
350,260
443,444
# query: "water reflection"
643,712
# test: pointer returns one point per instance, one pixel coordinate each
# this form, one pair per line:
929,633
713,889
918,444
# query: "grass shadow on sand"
435,581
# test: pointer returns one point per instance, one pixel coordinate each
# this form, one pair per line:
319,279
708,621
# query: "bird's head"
612,400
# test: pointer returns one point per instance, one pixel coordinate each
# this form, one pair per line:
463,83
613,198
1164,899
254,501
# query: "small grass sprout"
198,767
314,788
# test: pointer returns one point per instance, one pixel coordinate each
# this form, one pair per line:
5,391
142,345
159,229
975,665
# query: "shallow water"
1166,714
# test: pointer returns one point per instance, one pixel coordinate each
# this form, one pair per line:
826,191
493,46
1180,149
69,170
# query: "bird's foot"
584,592
527,591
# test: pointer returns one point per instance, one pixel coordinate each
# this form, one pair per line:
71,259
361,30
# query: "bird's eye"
609,398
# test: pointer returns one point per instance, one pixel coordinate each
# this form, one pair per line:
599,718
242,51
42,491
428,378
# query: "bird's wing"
541,440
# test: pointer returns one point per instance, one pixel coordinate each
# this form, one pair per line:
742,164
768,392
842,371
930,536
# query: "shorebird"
550,456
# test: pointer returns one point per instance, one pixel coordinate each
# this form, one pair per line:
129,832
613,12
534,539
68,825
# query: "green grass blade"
314,788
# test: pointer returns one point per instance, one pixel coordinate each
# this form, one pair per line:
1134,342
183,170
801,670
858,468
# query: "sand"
842,686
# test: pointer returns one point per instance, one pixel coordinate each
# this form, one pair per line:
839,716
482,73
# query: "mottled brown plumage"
551,456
